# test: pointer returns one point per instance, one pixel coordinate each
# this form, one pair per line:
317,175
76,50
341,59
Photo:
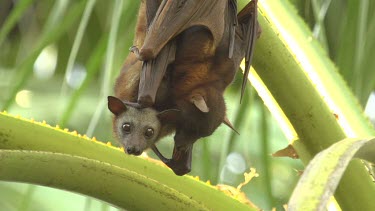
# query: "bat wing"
175,16
232,15
153,70
152,74
249,30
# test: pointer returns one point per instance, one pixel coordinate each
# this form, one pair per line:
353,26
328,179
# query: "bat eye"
126,127
149,132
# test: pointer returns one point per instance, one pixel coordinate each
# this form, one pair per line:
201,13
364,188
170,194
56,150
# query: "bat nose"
132,150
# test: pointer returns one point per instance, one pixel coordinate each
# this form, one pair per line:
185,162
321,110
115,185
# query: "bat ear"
200,103
116,106
168,116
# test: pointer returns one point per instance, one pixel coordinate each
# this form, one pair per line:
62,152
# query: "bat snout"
133,150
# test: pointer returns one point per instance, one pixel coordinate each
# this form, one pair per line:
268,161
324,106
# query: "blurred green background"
59,60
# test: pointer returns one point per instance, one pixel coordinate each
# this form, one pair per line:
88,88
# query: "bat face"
136,129
140,128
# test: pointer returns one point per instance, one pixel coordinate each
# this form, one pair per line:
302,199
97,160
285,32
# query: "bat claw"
134,49
142,54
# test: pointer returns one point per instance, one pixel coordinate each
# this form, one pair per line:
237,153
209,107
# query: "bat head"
138,128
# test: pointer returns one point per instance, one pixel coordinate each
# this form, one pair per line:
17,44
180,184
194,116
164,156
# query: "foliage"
78,40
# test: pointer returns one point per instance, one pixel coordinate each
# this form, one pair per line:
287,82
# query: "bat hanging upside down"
190,52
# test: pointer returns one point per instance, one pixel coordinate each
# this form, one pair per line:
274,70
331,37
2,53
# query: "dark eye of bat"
126,127
149,132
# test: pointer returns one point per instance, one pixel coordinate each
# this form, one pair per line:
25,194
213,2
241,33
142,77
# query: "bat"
126,111
176,16
189,96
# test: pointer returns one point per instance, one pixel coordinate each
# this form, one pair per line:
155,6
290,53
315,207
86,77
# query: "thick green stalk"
104,181
36,153
312,95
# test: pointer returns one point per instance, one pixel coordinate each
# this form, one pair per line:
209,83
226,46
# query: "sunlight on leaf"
323,174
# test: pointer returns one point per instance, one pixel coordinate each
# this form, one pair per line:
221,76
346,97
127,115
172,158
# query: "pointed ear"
116,106
200,103
169,116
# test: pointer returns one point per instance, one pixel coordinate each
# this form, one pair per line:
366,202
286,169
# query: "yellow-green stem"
312,95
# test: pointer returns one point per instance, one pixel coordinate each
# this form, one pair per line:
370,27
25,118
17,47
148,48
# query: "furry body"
192,86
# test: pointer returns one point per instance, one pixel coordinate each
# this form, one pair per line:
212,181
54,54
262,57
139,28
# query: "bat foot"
134,49
143,54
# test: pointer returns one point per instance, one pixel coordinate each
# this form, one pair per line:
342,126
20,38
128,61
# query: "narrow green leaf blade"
321,177
56,32
15,15
92,65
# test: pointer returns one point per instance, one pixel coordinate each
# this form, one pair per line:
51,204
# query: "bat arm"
161,157
181,158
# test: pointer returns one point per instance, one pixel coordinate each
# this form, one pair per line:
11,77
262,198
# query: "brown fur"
200,69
